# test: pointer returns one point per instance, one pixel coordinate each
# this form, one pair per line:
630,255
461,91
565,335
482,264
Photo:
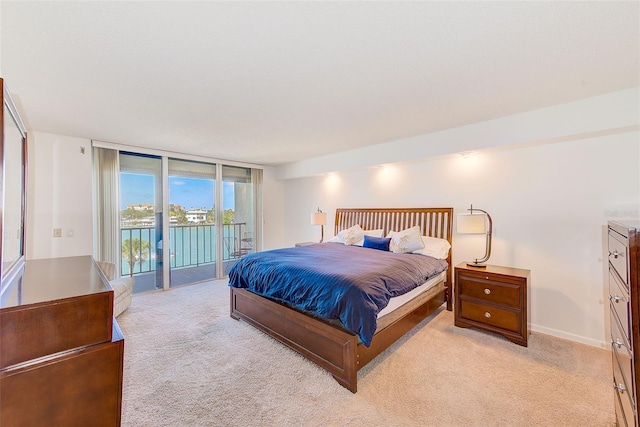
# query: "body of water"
190,245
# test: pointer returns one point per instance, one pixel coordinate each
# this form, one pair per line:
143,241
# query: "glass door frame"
219,223
166,223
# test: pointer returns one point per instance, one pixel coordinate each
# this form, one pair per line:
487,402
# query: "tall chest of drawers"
624,287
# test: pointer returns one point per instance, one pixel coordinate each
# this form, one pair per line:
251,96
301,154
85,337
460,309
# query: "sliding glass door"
192,231
141,220
238,215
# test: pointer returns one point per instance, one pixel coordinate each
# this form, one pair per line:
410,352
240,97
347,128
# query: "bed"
328,343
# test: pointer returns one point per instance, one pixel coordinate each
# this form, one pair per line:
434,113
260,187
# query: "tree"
181,217
134,251
228,216
178,213
132,214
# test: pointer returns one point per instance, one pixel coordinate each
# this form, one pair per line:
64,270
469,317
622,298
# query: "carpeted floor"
187,363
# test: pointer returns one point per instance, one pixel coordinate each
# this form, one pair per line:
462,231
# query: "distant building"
148,221
196,216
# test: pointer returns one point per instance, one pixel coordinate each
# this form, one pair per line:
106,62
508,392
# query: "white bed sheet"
398,301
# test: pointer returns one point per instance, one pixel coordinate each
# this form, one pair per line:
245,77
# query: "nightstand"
305,244
494,299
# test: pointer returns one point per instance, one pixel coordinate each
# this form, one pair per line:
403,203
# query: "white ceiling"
276,82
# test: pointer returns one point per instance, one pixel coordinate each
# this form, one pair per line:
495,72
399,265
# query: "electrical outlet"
57,232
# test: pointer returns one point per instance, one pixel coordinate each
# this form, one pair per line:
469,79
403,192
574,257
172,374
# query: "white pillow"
404,241
434,247
349,236
335,239
372,233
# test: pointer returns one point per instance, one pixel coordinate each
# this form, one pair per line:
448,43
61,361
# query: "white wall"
59,195
273,228
550,204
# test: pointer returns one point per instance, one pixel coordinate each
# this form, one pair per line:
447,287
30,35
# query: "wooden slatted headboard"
434,222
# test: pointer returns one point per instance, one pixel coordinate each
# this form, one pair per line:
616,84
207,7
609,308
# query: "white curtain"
256,179
107,230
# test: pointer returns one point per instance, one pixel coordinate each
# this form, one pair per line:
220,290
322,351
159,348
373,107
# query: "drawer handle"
487,314
619,387
615,253
614,298
617,342
487,291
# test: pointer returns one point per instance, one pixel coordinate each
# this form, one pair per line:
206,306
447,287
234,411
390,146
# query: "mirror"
12,188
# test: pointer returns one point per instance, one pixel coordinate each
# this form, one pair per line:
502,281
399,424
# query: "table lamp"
474,223
319,218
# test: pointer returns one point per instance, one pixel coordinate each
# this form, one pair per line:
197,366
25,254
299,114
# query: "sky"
188,192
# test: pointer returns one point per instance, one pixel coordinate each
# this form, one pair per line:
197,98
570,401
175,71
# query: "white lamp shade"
471,224
318,218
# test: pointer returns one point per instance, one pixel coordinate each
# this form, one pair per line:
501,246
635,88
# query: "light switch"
57,232
70,232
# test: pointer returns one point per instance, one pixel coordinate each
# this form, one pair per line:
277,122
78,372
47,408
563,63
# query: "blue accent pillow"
380,243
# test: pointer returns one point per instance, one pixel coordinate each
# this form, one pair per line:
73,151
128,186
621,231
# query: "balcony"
192,252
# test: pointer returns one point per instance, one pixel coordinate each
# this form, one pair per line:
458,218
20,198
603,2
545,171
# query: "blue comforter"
334,281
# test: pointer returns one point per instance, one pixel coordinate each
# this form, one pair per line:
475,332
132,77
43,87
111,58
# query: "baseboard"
571,337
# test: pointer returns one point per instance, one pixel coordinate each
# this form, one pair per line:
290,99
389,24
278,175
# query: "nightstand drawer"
618,255
483,289
490,315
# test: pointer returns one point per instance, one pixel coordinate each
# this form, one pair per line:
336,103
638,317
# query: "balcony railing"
190,246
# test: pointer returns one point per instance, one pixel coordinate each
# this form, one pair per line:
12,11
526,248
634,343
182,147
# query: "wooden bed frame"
326,343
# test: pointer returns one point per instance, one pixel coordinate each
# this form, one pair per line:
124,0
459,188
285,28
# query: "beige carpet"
187,363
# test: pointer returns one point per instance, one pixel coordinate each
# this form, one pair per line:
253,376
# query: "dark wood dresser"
624,285
61,350
495,299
